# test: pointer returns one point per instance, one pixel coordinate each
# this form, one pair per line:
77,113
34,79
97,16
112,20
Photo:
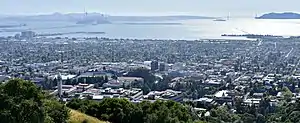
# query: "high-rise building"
18,36
154,65
28,34
59,85
162,66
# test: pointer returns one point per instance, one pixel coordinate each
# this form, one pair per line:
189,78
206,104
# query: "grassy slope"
78,117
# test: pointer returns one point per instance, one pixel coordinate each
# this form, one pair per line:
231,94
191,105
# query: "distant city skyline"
150,7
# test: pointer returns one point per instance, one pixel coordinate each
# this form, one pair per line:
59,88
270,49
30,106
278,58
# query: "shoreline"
134,39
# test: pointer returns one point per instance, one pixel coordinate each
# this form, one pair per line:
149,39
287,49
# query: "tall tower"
59,85
228,16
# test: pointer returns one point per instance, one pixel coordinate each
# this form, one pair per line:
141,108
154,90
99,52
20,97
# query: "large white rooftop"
222,93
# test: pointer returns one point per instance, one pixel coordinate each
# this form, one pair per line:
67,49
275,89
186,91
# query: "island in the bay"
285,15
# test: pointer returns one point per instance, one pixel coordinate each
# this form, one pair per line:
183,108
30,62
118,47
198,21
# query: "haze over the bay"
150,7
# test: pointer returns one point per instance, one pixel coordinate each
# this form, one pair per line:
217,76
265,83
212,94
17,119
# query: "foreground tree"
56,112
23,102
286,113
123,111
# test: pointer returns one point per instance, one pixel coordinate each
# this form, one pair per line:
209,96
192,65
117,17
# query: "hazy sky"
150,7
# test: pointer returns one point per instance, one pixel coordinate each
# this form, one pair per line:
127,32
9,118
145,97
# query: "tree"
248,118
7,70
23,102
46,83
57,112
239,107
297,90
105,79
69,81
287,94
54,82
149,78
286,113
114,77
264,106
222,114
123,111
85,121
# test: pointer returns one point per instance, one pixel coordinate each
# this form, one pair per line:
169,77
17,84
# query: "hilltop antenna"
84,11
85,14
228,16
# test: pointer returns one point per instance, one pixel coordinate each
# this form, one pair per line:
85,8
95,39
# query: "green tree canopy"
124,111
23,102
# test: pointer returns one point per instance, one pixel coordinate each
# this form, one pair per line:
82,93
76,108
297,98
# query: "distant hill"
78,117
285,15
156,18
98,18
57,17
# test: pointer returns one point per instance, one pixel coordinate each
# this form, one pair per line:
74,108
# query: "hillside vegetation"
78,117
23,102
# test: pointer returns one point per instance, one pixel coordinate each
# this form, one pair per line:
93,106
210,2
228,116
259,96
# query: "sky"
150,7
